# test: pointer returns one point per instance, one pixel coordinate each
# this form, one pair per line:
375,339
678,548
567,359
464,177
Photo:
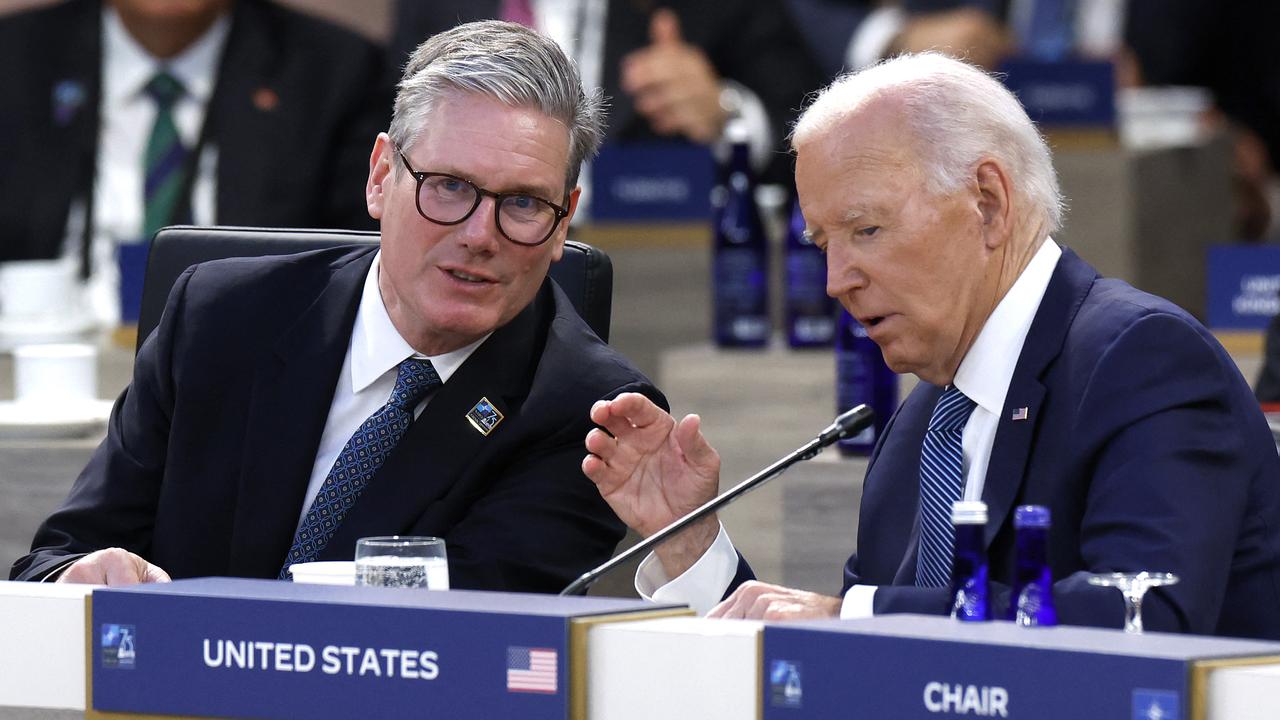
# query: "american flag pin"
1020,413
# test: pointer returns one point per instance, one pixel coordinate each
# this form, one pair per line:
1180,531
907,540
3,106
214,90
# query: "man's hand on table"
113,566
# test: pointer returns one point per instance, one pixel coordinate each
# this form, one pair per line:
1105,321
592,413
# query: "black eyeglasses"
448,200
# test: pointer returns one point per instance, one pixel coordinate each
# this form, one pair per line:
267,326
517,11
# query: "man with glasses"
440,385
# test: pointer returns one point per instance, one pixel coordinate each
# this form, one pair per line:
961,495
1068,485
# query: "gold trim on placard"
578,629
760,675
1242,342
1200,669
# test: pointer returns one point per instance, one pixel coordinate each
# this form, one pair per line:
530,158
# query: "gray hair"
958,114
509,63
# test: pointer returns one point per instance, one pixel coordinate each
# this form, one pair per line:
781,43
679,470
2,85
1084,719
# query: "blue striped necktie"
360,460
165,161
941,481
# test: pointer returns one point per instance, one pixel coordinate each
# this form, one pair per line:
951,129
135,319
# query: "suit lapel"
244,104
73,100
1016,430
288,409
440,445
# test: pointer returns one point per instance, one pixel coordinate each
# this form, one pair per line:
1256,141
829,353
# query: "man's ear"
562,232
994,202
380,175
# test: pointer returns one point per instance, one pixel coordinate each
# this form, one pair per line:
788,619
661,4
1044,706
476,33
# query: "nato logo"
117,646
1155,705
784,682
484,417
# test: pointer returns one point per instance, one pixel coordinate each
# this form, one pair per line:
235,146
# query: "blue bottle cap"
1035,516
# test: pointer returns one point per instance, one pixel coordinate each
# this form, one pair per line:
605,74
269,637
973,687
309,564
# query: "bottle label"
741,302
855,385
810,318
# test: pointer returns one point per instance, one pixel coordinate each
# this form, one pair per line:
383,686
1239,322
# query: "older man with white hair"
934,198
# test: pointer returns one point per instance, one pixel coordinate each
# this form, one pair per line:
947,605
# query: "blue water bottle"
862,377
1031,604
741,254
810,312
970,587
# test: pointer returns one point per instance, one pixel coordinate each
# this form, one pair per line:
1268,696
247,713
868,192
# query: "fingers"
755,600
664,28
629,412
695,447
112,566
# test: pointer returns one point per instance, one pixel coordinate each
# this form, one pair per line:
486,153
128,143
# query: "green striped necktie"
165,163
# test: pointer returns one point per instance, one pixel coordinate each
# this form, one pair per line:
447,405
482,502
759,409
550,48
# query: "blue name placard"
1073,94
911,666
648,182
221,647
1243,286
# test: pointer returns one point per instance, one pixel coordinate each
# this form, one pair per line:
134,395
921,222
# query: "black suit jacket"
296,106
209,451
750,41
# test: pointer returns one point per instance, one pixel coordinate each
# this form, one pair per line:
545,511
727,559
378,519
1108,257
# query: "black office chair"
584,273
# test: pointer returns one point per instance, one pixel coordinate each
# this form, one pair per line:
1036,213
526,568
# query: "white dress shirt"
368,375
127,114
984,376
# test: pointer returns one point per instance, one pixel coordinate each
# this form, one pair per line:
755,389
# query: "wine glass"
1133,585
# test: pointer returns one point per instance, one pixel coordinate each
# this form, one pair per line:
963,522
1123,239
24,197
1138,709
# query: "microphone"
846,424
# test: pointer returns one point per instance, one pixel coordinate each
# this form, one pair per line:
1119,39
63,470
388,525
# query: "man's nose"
844,272
480,232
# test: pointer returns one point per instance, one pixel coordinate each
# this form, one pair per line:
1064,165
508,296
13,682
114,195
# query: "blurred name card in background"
652,182
1070,94
1244,286
930,666
223,647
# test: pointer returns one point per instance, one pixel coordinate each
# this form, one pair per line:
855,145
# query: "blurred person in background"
669,68
122,116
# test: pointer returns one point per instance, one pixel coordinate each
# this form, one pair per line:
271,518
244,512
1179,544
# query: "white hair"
959,116
507,62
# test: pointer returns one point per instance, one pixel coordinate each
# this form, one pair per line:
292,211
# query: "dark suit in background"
1142,439
752,42
295,106
209,452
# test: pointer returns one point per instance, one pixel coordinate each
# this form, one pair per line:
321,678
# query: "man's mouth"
465,276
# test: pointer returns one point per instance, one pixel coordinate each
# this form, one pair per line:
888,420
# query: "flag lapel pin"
484,417
1019,414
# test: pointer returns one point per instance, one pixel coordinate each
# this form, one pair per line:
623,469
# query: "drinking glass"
402,561
1133,585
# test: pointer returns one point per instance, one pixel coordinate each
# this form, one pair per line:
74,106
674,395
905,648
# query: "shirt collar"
128,67
376,345
987,369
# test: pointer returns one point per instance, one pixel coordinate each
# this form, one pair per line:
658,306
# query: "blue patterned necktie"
941,480
165,162
360,460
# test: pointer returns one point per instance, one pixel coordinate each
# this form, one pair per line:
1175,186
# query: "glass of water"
1134,585
402,561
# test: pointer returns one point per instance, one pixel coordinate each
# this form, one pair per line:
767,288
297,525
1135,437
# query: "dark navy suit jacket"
209,451
296,106
1143,440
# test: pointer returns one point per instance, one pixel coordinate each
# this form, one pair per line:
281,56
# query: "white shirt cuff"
859,602
873,36
756,121
701,586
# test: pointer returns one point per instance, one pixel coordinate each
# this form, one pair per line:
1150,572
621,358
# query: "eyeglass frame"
481,193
